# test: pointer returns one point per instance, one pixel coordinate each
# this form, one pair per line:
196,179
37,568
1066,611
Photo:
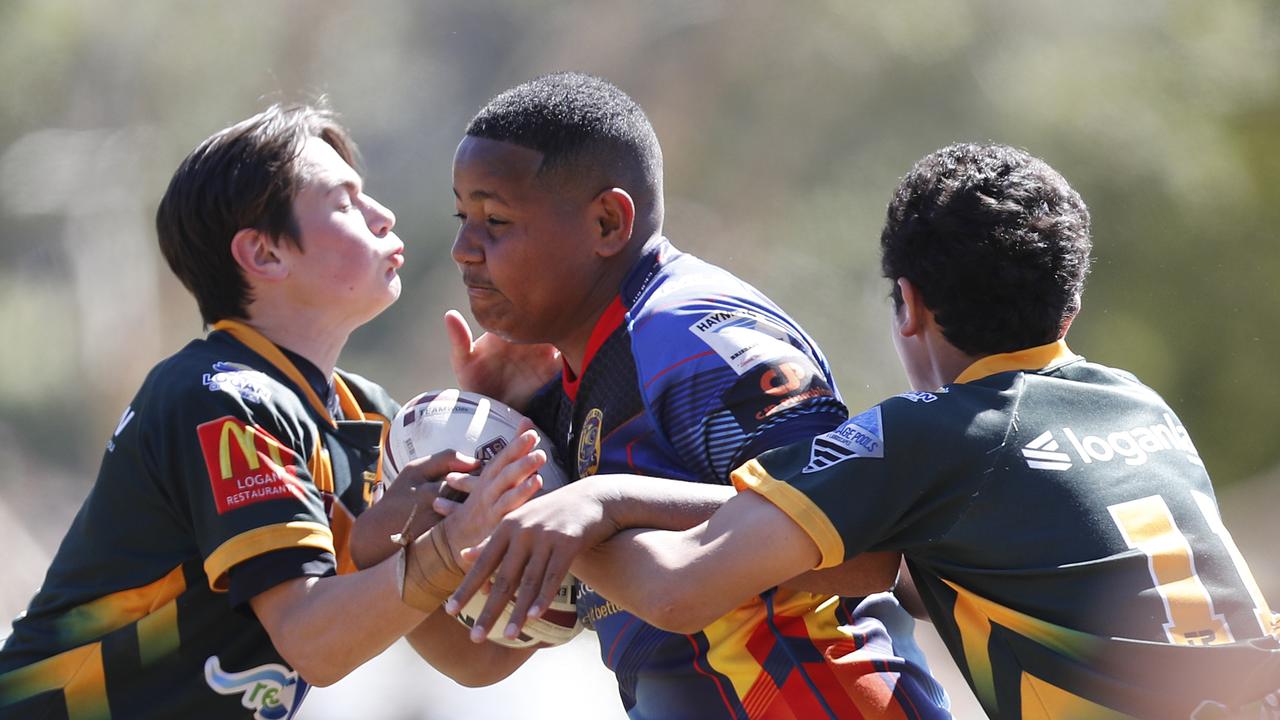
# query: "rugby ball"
480,426
558,625
468,422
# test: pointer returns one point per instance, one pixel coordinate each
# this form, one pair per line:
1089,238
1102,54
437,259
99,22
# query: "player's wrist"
429,570
605,493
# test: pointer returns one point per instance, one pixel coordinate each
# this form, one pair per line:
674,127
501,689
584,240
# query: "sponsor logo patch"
1134,446
125,417
920,396
246,465
272,691
589,443
238,379
773,387
859,437
743,338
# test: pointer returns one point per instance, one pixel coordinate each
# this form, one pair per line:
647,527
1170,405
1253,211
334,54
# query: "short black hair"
995,240
244,176
581,124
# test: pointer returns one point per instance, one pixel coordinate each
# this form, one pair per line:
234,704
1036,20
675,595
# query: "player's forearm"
632,501
639,570
444,643
327,627
681,581
868,573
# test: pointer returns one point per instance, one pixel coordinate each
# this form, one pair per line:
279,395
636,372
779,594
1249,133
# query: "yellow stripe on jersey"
263,540
377,479
974,616
321,468
1045,701
797,506
350,409
78,673
1036,358
727,639
158,633
257,342
96,618
975,636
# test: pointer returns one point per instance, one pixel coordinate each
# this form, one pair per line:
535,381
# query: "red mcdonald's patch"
246,465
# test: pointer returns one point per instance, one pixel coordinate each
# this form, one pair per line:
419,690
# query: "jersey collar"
656,254
1035,358
259,343
608,322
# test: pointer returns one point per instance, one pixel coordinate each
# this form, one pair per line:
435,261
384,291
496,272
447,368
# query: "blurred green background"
785,126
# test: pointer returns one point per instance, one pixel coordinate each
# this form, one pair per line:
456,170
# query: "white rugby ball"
558,625
480,426
468,422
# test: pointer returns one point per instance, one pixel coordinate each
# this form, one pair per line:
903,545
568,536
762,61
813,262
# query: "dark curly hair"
588,131
995,240
244,176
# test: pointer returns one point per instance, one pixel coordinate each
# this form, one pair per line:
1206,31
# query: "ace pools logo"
272,691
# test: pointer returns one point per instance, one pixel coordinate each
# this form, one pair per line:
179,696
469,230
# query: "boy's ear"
911,317
257,255
616,216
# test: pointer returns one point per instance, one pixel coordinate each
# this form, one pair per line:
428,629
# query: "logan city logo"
246,465
1135,446
272,691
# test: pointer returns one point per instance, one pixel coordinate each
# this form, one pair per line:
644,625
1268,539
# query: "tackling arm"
678,580
682,581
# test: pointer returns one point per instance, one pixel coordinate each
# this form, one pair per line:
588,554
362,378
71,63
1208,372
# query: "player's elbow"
474,676
680,612
316,674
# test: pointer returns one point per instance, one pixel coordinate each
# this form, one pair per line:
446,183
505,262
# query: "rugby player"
669,366
207,574
1054,513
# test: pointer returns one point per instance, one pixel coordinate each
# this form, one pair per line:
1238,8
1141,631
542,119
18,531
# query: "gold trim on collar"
257,342
1036,358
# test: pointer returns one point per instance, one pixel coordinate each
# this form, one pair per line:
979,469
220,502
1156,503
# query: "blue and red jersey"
689,373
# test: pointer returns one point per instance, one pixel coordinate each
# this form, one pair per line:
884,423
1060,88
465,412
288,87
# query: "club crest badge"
589,443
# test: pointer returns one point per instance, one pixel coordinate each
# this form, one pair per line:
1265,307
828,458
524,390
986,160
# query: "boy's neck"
318,341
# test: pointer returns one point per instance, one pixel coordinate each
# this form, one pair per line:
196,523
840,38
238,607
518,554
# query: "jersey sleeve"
726,378
895,477
238,463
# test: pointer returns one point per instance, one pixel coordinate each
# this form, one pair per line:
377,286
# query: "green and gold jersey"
226,455
1062,531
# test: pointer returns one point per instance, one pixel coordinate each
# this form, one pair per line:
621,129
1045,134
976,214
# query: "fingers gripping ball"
458,420
558,625
480,426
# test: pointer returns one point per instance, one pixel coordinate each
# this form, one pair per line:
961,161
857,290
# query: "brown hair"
244,176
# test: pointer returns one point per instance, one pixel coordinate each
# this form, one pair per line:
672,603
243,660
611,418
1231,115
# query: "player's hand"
411,493
506,482
529,554
506,371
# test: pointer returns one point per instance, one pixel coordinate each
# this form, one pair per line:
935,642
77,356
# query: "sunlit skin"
344,272
540,263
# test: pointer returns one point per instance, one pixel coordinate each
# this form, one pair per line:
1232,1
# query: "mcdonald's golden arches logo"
246,464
